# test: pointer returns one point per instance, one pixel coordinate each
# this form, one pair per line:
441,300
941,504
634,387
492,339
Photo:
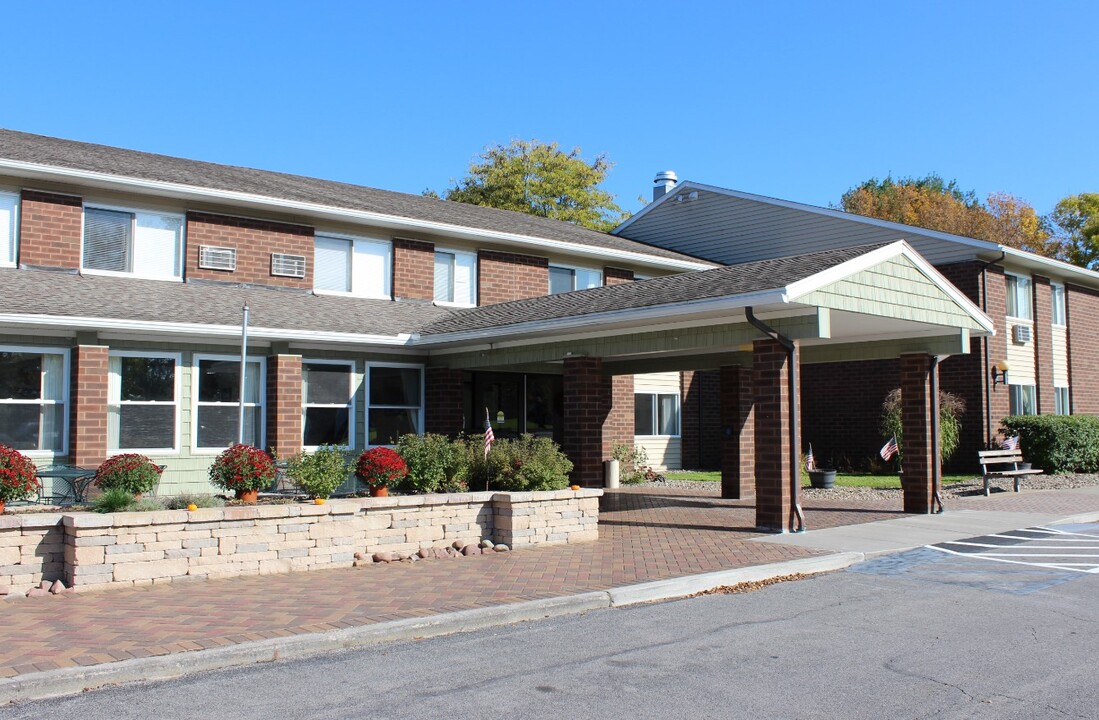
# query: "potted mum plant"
18,476
378,467
243,469
321,472
131,472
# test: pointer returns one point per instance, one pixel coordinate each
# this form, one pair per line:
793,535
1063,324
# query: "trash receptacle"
610,473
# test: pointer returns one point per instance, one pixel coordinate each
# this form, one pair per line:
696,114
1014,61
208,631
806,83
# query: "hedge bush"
435,464
1057,443
518,465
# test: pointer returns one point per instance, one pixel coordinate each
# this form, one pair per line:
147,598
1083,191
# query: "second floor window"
564,279
147,244
9,205
455,277
1019,300
352,265
1059,315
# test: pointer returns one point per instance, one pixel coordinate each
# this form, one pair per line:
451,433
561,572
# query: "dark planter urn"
822,479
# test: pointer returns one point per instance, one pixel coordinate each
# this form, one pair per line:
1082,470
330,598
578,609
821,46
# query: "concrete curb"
1088,517
691,584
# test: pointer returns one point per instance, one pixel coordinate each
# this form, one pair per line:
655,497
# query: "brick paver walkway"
646,534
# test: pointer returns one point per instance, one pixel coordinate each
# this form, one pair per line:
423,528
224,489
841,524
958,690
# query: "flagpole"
243,371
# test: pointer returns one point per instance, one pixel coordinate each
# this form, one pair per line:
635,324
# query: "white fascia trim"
474,234
874,257
646,314
193,329
1060,266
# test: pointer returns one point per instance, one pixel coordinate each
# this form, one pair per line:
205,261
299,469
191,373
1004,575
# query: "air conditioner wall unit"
1020,334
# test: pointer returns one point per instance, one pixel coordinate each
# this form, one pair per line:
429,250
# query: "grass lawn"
842,480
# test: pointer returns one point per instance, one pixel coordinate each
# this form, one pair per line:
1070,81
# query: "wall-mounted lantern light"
999,373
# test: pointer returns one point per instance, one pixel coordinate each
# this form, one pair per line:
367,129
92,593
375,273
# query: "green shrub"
131,472
435,464
951,408
1057,443
113,500
144,505
319,473
524,464
633,464
180,502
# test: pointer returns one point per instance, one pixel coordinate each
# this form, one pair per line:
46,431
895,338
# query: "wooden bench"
1003,457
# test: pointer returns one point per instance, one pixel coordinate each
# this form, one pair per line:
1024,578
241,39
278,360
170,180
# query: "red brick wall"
841,407
413,269
254,241
502,277
88,406
737,430
618,427
770,372
443,401
616,276
1043,344
284,404
700,399
1000,396
586,399
1082,305
49,230
916,414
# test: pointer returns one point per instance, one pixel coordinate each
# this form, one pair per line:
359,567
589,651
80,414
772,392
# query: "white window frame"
1062,400
180,245
1023,388
14,261
1058,290
195,404
66,384
655,395
369,406
116,401
351,406
453,267
358,266
574,269
1013,291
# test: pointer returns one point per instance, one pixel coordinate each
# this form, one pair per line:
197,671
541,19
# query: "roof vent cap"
664,182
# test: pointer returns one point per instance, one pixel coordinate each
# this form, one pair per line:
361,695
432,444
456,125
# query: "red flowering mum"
131,472
381,466
18,475
243,467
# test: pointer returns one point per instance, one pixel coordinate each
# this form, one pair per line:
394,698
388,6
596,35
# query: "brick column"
618,426
999,396
88,406
918,407
738,458
1043,345
413,269
284,404
771,376
586,396
49,230
443,412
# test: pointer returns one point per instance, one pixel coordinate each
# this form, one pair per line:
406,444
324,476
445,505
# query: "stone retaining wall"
91,550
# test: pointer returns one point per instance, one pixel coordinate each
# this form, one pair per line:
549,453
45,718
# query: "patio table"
74,485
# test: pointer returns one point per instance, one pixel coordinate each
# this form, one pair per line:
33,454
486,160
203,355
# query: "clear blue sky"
794,100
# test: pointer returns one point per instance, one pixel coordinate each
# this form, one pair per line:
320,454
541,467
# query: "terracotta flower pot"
1,506
379,491
248,496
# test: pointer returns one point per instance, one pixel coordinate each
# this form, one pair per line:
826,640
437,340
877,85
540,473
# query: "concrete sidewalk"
655,544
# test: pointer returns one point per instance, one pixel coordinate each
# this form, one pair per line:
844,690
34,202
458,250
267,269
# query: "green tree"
540,179
1078,217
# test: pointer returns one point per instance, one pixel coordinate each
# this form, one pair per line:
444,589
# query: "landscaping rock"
58,587
486,544
45,584
385,557
5,590
426,553
501,548
38,592
471,550
457,545
360,556
441,552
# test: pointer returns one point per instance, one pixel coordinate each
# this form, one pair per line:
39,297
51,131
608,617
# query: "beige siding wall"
664,453
1020,356
1060,356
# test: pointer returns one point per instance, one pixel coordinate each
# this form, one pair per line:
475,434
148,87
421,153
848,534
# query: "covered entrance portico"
758,322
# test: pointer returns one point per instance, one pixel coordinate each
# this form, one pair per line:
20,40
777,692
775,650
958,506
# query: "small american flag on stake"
1012,443
810,462
490,437
889,449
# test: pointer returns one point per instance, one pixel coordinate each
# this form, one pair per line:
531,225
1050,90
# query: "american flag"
490,437
889,449
810,462
1012,443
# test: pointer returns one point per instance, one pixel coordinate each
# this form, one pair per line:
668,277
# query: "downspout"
987,365
936,441
797,519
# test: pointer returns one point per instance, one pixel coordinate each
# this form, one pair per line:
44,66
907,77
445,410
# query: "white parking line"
1072,546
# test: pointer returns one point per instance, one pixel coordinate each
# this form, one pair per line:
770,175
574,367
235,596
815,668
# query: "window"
395,399
1019,301
9,209
655,414
1059,315
218,405
1022,400
139,243
358,266
455,277
1060,401
565,279
32,399
142,401
328,412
